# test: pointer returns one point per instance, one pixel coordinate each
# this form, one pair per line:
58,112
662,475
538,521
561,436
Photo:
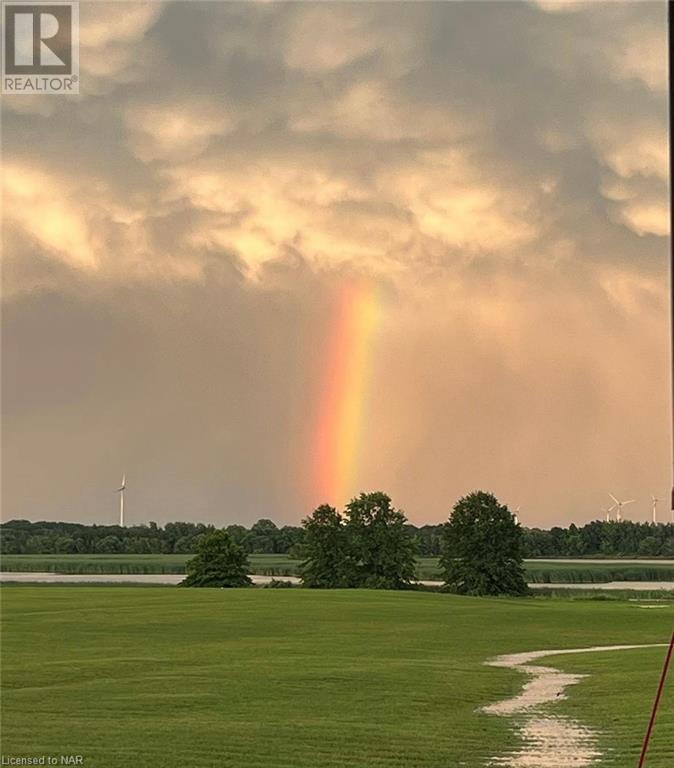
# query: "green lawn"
542,572
588,572
615,697
271,565
304,679
593,571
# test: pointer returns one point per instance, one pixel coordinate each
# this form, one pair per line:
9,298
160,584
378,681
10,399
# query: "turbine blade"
614,498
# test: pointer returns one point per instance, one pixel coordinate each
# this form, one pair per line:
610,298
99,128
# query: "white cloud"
372,109
112,46
169,130
324,38
39,204
635,150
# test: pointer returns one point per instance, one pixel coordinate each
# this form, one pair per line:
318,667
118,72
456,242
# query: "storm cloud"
176,238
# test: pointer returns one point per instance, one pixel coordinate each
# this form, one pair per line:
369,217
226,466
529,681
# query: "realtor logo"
40,47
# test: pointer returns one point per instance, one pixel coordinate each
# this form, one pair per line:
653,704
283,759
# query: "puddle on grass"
552,742
548,740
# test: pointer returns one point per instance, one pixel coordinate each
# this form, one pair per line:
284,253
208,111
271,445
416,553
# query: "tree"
219,563
108,545
291,538
668,544
650,547
327,559
184,545
65,545
483,548
263,537
239,535
381,545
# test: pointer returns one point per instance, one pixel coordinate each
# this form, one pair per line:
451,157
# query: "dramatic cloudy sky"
178,237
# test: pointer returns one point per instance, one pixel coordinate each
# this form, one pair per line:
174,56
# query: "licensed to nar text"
41,760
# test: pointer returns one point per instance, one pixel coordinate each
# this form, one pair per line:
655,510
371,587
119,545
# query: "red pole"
670,106
656,703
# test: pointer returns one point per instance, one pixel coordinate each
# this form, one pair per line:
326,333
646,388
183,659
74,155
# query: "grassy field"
612,699
302,679
596,572
268,565
555,572
540,572
587,593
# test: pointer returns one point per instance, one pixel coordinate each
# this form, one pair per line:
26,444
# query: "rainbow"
344,393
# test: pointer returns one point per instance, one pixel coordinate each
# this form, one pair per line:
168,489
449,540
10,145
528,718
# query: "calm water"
112,578
176,578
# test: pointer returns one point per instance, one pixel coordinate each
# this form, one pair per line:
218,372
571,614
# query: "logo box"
40,47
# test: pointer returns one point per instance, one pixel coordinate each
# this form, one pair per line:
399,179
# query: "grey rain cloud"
175,238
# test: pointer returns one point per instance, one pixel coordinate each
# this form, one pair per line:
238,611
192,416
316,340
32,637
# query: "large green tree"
482,553
327,560
381,545
219,562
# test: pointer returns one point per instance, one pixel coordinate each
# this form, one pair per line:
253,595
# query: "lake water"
113,578
176,578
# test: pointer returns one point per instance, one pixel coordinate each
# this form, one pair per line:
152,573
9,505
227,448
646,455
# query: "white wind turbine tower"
120,491
516,516
655,509
607,513
618,506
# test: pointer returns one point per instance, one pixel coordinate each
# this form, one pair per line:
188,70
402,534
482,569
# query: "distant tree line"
25,537
599,538
624,539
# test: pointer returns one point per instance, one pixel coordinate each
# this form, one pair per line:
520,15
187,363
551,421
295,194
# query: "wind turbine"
607,512
120,491
618,506
516,515
655,509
